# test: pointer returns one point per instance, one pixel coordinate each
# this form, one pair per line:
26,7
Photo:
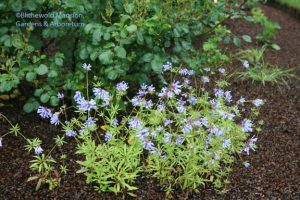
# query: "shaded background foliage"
123,40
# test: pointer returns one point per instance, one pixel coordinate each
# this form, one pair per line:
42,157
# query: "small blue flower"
226,143
60,95
181,109
77,97
247,150
222,70
167,122
54,119
219,132
241,100
122,86
86,67
143,134
175,87
214,104
89,122
167,66
247,126
183,71
246,64
151,89
87,105
38,150
186,81
258,102
192,100
219,93
136,101
135,123
179,140
187,128
71,133
205,79
159,128
190,72
228,96
165,93
44,112
102,94
81,131
168,137
246,164
147,104
161,107
115,122
223,114
107,137
148,145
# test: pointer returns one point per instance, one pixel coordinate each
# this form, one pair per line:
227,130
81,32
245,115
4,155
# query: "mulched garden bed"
274,172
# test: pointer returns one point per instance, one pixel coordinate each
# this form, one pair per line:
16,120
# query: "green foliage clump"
260,71
123,39
268,35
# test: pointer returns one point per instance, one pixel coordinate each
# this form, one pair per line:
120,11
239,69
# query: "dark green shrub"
125,40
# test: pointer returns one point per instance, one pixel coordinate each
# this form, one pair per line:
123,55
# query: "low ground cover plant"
291,3
268,35
182,134
256,69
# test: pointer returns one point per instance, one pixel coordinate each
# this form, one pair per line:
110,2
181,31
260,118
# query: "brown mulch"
274,172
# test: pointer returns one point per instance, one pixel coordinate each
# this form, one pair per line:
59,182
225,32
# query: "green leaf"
30,4
106,36
106,57
7,40
45,98
58,61
132,28
147,57
38,92
275,46
28,107
42,69
139,38
94,55
111,73
17,41
54,101
157,64
97,35
88,28
52,74
83,54
237,41
121,52
247,38
209,46
30,76
16,5
227,40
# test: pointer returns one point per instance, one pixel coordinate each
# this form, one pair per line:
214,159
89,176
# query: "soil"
275,168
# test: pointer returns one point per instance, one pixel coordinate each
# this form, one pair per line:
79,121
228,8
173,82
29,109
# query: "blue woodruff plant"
181,134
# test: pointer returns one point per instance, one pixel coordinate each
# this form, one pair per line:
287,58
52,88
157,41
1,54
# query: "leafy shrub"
126,40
